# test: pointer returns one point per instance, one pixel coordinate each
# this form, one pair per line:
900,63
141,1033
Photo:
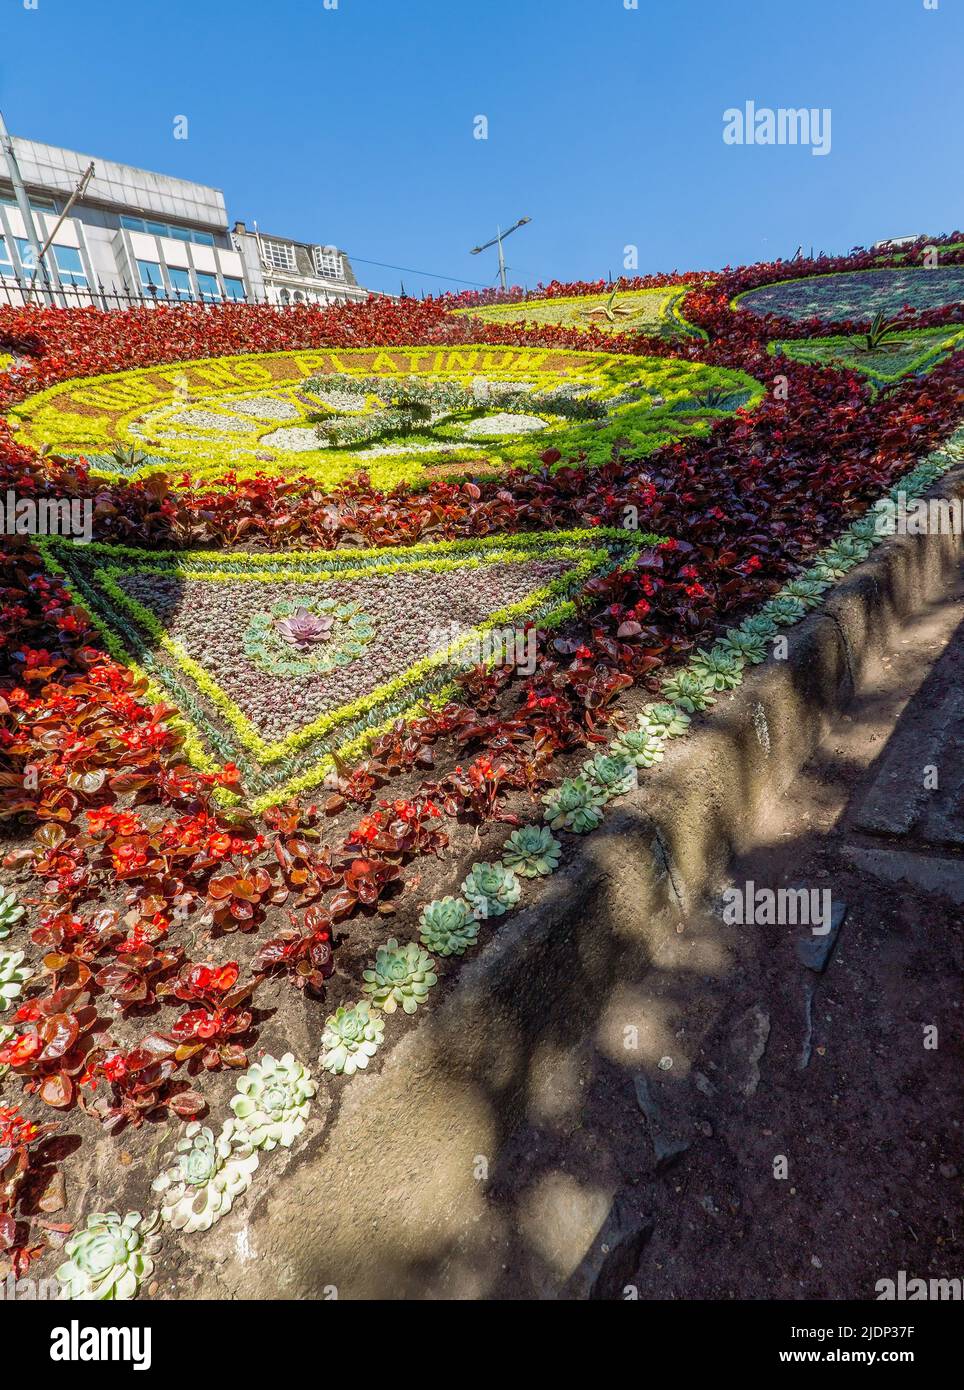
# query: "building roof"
117,185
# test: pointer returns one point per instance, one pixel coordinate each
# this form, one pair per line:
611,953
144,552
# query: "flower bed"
392,412
643,311
164,688
858,294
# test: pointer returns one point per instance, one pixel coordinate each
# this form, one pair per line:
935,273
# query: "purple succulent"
305,629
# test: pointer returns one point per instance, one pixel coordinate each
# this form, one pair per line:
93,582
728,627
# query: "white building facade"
133,235
284,271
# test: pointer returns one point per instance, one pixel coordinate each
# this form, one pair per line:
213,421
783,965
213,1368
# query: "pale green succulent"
12,977
724,669
839,558
849,548
10,913
448,927
785,611
639,747
760,625
576,805
208,1173
664,721
532,851
272,1101
401,975
747,646
807,589
689,691
611,773
110,1258
874,526
351,1038
491,890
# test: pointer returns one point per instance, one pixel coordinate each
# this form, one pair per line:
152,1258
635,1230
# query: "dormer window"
280,254
329,263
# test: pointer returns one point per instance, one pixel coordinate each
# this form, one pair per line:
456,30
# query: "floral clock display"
399,414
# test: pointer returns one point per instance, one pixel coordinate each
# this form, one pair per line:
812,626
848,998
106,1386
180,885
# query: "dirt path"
847,1081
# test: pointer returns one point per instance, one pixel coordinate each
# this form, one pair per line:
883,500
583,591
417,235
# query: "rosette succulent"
272,1101
611,773
110,1257
12,977
760,625
304,628
746,646
10,913
664,721
724,669
640,747
208,1173
690,691
532,851
576,805
401,975
491,890
850,549
351,1038
784,610
448,927
807,589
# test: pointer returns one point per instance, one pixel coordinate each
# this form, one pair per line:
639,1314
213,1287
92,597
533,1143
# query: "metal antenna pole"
497,241
20,193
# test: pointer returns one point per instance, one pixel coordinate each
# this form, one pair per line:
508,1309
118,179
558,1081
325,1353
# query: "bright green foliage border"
935,344
214,725
51,418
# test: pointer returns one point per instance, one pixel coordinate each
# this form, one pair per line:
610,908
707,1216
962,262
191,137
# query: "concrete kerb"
389,1201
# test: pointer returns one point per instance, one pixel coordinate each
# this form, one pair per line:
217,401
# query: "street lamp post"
497,241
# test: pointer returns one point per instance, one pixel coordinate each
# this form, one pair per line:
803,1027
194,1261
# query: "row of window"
67,259
166,229
281,255
172,283
178,284
38,204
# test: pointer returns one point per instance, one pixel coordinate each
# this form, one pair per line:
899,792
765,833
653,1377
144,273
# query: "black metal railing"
17,291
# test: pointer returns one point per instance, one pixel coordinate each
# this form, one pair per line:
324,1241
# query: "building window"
69,266
208,286
180,282
280,254
152,282
6,261
329,263
167,229
234,289
38,204
28,257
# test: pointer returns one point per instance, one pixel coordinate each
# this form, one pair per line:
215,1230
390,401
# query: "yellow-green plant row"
656,311
551,568
255,413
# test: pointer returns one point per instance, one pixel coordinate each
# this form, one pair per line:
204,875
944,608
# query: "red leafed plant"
234,900
138,1084
56,1034
16,1136
206,1032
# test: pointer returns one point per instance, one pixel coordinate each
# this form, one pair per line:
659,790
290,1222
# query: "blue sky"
355,125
